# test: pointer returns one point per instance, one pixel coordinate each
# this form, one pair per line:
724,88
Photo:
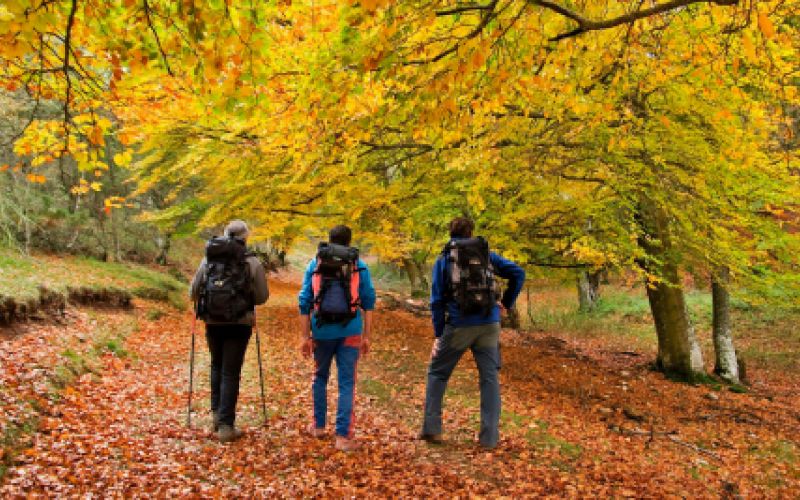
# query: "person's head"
237,229
461,227
340,235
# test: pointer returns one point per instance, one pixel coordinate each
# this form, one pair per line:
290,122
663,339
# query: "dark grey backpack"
471,278
226,295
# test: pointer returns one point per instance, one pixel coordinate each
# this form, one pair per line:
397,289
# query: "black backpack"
335,284
471,281
226,295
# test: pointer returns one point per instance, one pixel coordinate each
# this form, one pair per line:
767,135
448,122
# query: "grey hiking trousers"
483,340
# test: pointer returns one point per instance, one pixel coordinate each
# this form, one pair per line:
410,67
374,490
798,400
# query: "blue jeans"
483,341
346,351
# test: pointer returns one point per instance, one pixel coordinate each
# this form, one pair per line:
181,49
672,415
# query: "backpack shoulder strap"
355,285
447,247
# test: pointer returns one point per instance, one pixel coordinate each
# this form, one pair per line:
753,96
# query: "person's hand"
437,345
503,310
307,348
364,346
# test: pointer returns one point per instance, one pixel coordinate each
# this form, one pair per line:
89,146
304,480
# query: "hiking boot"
316,431
430,438
214,423
228,433
346,444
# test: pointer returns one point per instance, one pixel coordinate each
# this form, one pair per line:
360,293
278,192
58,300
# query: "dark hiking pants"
483,341
227,345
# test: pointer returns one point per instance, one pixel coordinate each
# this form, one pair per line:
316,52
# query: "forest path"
577,421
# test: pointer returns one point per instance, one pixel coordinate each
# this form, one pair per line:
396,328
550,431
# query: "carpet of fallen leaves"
579,420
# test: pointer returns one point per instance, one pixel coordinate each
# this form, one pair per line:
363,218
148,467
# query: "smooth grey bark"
725,365
678,350
588,289
164,245
416,275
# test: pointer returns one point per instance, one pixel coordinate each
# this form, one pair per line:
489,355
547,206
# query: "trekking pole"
260,370
191,377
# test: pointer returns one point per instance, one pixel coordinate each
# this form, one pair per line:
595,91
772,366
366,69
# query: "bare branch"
487,16
462,9
68,94
585,24
155,34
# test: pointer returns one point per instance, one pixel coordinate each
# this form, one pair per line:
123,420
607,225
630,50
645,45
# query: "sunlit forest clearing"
638,159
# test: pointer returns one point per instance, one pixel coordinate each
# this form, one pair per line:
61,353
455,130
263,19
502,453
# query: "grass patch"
28,280
376,389
538,437
73,364
13,439
784,451
765,335
23,274
155,314
113,345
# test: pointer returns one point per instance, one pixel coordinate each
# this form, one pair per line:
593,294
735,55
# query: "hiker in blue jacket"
458,326
336,290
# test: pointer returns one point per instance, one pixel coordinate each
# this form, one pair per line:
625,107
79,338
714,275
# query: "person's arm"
306,342
366,335
515,276
305,300
366,292
197,281
260,286
437,297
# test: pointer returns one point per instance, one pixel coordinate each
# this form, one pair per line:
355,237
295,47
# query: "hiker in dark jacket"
227,341
456,332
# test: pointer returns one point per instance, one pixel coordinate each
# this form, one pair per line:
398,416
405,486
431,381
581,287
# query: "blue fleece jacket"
444,309
330,331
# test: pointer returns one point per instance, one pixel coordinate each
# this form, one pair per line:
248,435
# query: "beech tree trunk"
678,350
588,290
163,248
416,275
726,365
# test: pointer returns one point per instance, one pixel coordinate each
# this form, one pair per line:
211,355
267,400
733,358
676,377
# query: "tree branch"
487,16
464,8
155,34
585,24
68,92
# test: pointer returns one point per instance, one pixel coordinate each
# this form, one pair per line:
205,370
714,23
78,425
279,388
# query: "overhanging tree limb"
464,8
489,13
67,46
585,24
155,34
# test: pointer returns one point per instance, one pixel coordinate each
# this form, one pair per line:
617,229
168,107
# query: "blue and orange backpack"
335,284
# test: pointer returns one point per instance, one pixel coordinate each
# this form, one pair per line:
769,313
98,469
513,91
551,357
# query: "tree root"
670,435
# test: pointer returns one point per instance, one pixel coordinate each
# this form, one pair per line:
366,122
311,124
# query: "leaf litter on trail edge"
123,432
